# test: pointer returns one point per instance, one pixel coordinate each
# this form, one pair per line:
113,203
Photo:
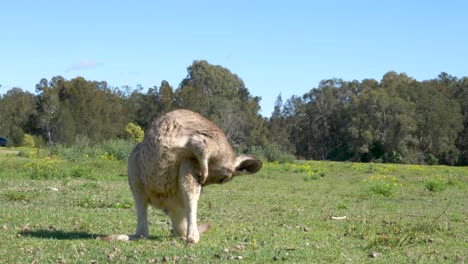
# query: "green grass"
53,208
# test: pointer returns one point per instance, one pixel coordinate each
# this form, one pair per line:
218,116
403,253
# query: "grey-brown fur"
181,152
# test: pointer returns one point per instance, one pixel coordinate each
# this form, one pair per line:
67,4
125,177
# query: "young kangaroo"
181,152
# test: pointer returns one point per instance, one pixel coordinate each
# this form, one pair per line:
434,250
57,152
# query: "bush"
381,188
393,157
39,142
134,133
274,152
16,136
436,184
256,151
118,148
28,141
45,169
271,153
431,160
382,185
74,153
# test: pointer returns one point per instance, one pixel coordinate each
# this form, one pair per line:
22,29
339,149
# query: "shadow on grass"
63,235
57,234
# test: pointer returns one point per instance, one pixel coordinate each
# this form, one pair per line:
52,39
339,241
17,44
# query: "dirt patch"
7,151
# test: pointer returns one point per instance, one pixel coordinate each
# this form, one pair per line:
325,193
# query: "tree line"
397,119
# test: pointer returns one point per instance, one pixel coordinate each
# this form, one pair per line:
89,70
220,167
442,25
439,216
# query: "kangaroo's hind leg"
190,189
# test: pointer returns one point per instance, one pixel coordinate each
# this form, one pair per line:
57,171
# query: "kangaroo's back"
175,136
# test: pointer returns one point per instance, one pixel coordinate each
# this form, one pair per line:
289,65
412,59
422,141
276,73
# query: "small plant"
381,188
89,202
134,132
44,169
80,172
19,196
108,156
382,185
119,149
127,203
310,177
342,205
435,184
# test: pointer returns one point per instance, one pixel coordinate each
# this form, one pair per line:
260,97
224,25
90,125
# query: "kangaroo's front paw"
193,237
202,178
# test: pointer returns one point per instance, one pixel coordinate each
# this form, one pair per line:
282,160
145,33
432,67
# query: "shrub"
39,142
435,185
28,141
274,152
271,153
134,133
257,151
381,188
431,160
45,169
117,148
382,185
16,136
393,157
76,152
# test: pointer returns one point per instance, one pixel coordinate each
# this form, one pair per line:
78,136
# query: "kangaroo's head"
222,171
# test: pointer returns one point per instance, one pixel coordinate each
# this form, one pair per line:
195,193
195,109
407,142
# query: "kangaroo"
181,152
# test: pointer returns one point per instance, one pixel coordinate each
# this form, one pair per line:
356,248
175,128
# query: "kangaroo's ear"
246,164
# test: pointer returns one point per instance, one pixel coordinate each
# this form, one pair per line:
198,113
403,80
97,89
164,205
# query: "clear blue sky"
276,47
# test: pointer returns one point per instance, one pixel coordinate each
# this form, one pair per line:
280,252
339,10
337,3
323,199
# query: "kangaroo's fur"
181,152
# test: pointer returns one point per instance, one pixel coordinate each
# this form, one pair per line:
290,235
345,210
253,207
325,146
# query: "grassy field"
53,208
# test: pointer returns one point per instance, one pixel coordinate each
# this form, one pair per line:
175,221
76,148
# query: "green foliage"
16,136
118,148
431,160
39,142
114,149
17,112
398,120
222,96
395,120
20,196
134,132
45,169
274,152
28,141
436,184
271,153
382,185
79,107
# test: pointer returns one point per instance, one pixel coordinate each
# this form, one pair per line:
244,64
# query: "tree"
440,123
318,128
382,125
459,92
278,128
166,94
47,105
80,108
221,96
17,107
